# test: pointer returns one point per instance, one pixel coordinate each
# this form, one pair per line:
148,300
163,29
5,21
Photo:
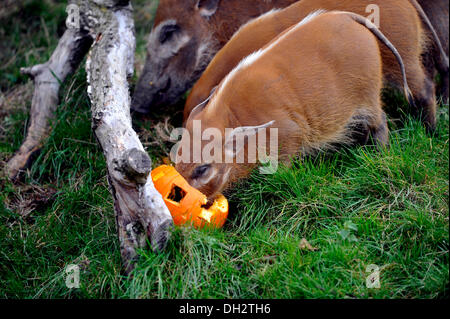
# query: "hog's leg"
380,132
424,92
444,86
425,99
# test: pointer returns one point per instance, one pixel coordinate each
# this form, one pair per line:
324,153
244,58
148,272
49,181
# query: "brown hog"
437,12
408,37
174,66
185,36
314,83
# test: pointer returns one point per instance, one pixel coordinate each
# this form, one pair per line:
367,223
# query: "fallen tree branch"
71,49
140,209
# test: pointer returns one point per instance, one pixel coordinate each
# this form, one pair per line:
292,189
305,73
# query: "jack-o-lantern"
185,203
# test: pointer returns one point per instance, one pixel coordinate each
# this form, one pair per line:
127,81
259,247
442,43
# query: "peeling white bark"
71,49
140,209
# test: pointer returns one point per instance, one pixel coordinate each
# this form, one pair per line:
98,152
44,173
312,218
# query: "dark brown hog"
437,12
185,36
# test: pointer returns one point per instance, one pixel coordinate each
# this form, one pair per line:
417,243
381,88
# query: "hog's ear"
207,7
233,144
202,105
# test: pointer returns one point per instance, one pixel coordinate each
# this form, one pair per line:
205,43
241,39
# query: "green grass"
356,208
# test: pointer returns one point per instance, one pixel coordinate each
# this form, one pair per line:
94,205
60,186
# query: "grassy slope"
358,207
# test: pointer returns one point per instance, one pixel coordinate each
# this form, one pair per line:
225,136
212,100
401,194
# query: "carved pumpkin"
185,203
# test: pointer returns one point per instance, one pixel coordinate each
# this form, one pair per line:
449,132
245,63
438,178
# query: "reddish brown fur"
437,12
407,36
224,23
165,79
314,83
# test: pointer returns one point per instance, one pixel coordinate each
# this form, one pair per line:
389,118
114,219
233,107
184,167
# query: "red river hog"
399,21
185,36
314,83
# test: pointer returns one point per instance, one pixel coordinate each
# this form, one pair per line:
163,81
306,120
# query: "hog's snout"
149,94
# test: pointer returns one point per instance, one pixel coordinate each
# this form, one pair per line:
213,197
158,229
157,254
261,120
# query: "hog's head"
179,48
217,157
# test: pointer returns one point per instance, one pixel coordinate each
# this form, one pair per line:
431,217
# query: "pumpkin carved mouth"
187,204
176,194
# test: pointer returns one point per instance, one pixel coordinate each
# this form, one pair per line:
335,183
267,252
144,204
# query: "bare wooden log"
71,49
140,209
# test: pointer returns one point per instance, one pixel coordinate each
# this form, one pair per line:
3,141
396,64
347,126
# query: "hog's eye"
167,32
200,171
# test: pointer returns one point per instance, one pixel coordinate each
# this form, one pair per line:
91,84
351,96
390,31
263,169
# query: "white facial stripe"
225,177
158,51
155,32
197,183
211,175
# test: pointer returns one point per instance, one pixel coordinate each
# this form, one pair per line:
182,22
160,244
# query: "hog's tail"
372,28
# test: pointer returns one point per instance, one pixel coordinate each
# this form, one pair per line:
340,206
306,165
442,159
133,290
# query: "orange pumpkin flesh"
185,203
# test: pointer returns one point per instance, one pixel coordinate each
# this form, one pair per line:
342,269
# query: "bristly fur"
408,38
308,120
250,59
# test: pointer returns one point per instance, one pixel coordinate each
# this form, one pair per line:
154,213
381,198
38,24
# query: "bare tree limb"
140,209
71,49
